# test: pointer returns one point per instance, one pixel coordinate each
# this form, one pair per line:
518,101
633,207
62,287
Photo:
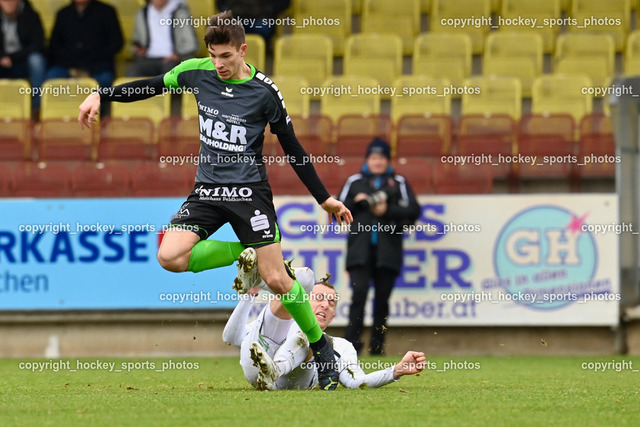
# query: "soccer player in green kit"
235,103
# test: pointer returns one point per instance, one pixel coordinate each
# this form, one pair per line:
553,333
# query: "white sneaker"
268,371
248,276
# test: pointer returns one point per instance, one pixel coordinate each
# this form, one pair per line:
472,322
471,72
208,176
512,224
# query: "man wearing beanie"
380,201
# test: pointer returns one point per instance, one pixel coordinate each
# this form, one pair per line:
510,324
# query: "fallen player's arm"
236,327
412,363
352,375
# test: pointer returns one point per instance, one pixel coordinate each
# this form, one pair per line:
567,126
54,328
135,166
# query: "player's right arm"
236,327
136,90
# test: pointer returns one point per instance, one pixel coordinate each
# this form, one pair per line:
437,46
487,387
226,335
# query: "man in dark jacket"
85,40
382,202
21,43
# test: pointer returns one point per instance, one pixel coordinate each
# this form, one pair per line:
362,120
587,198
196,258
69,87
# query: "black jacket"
89,40
30,33
402,209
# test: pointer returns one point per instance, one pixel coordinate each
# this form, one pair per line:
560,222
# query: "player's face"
228,60
377,163
323,303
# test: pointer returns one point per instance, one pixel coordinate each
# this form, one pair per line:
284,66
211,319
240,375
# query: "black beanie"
379,146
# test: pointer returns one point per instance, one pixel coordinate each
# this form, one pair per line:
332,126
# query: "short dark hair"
224,29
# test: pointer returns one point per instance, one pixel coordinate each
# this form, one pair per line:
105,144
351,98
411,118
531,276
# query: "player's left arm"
300,161
352,375
412,363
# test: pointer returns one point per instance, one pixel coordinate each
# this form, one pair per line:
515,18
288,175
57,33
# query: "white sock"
275,328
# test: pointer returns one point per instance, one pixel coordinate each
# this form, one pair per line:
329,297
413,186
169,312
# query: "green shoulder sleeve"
171,78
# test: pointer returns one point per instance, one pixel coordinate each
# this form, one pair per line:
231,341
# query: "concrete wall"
163,334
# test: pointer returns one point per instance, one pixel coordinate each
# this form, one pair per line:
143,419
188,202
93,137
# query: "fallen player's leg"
268,372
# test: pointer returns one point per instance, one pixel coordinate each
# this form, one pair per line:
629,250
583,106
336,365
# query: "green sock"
208,254
297,304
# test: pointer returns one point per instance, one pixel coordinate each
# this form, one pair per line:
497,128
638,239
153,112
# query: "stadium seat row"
449,56
414,136
153,179
340,95
95,180
471,17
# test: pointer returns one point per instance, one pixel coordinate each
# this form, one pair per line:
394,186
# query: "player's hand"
412,363
88,110
337,208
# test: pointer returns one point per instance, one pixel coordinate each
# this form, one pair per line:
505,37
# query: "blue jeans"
34,70
104,78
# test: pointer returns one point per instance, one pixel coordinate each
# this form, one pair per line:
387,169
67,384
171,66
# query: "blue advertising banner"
98,254
469,260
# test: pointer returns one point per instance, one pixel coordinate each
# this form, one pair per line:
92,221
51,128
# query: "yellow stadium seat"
357,6
61,97
356,97
561,93
292,88
388,17
155,108
495,5
632,54
126,10
188,106
306,55
472,17
545,13
48,9
201,10
515,54
420,94
328,17
445,55
425,6
256,51
15,99
378,56
610,17
585,53
492,95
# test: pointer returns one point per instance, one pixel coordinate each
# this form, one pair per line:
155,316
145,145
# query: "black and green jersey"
232,116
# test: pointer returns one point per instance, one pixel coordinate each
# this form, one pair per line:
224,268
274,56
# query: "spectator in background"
162,38
258,10
85,40
379,199
21,44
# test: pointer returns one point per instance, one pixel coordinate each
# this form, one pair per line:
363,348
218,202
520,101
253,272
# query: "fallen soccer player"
275,354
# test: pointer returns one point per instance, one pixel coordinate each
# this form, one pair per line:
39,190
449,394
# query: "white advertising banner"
539,259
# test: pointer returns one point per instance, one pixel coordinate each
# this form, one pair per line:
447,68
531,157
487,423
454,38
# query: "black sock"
317,346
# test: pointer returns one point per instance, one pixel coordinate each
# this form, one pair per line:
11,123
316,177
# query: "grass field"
522,391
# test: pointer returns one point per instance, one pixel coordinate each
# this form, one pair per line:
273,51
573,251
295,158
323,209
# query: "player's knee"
278,283
172,263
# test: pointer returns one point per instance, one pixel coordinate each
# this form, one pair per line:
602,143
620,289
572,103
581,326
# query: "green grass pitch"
518,391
